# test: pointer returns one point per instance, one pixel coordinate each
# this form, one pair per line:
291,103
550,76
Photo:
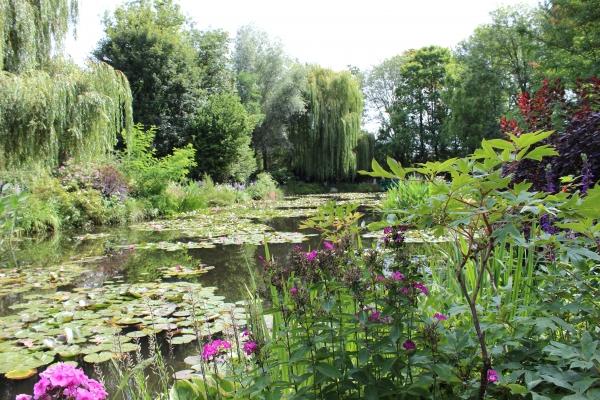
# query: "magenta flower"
440,317
250,347
311,256
409,345
387,230
492,376
328,246
421,288
397,276
214,348
63,380
294,291
375,316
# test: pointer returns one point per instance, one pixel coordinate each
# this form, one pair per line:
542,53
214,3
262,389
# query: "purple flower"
328,246
380,278
409,345
250,347
23,397
311,256
214,348
375,316
405,291
387,230
547,224
294,291
440,317
421,288
397,276
492,376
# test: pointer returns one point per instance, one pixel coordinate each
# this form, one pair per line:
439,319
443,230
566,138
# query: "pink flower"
245,333
328,246
397,276
409,345
250,347
421,288
311,256
214,348
66,381
23,397
492,376
41,387
294,291
405,291
440,317
380,278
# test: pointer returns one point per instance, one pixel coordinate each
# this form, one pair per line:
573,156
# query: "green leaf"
517,389
329,371
540,152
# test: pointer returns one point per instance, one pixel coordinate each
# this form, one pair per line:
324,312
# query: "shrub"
264,188
405,195
193,199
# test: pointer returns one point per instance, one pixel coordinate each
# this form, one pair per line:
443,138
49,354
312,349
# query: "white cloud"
333,33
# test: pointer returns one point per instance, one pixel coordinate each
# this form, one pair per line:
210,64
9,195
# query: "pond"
68,297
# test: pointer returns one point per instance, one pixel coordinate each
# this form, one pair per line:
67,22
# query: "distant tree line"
245,106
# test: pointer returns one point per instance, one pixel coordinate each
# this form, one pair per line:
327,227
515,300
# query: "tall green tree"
325,136
31,29
478,97
51,110
571,36
221,135
270,86
381,85
420,109
152,43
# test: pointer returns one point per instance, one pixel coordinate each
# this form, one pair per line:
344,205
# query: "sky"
332,33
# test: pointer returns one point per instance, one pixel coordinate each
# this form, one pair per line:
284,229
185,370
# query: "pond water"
67,294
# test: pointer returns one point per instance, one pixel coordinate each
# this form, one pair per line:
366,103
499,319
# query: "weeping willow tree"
47,118
31,29
52,110
326,135
365,151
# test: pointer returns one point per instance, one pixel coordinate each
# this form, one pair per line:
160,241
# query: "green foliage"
151,43
151,175
31,30
49,117
403,196
569,30
221,136
420,108
263,188
480,208
270,86
326,136
365,150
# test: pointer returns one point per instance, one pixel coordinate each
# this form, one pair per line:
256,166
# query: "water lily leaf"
96,358
20,374
183,339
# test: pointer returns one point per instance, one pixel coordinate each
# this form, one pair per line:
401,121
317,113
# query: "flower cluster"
394,236
250,345
214,348
64,381
492,376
